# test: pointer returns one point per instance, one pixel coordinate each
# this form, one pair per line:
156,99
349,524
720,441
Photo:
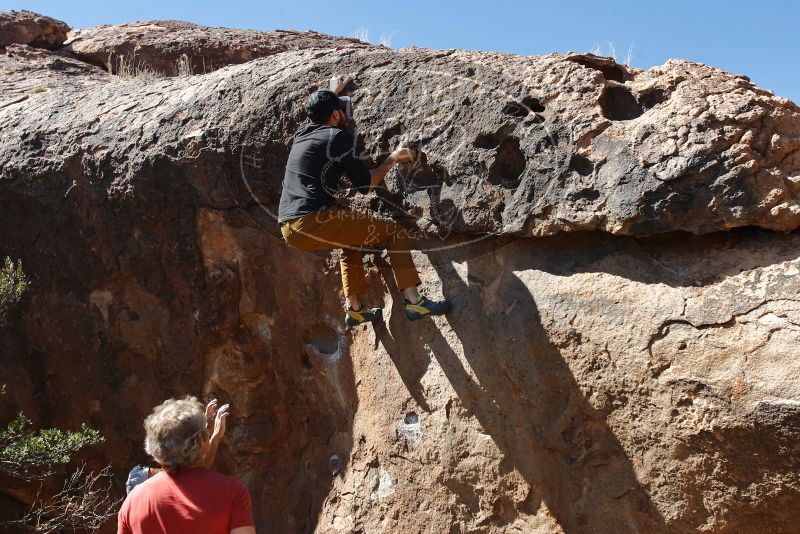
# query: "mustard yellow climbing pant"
339,228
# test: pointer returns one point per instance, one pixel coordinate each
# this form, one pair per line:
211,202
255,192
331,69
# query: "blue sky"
760,39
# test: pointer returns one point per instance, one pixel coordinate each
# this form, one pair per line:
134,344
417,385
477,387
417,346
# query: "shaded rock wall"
114,323
621,375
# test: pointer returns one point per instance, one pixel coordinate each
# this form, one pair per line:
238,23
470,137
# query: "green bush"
13,284
86,500
31,454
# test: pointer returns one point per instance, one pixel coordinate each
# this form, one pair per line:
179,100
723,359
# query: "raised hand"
338,83
404,155
215,421
219,421
211,412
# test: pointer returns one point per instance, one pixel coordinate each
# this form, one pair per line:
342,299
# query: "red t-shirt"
193,500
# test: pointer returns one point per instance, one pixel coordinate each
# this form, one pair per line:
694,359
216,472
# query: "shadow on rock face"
110,331
526,399
672,259
663,360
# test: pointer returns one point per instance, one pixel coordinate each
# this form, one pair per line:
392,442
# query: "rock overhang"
511,145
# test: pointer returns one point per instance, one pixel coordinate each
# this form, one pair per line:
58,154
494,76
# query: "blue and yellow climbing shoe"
364,315
425,307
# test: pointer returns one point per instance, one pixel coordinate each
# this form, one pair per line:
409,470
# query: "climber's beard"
342,121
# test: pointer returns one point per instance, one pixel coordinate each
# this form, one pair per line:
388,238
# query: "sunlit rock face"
620,247
26,27
170,47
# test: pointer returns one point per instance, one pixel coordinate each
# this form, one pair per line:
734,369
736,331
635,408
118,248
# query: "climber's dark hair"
322,103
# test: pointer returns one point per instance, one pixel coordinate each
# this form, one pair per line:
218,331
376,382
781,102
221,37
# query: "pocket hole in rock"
335,464
581,165
485,140
322,337
652,97
606,66
494,139
585,194
618,104
509,164
422,174
390,136
533,104
523,108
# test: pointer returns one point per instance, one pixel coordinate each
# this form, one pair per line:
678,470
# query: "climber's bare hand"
220,421
338,83
404,155
211,411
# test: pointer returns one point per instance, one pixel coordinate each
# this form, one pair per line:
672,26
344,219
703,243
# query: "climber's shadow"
524,396
410,365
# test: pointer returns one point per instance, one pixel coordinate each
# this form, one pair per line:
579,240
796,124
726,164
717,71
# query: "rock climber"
185,496
323,150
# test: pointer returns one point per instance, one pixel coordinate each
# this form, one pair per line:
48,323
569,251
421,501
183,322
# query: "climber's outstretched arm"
400,155
337,84
215,419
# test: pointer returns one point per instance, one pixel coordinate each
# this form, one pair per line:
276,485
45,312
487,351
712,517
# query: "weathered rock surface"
28,71
585,384
587,381
522,146
26,27
159,45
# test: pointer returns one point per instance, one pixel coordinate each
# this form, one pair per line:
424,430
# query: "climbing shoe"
364,315
425,307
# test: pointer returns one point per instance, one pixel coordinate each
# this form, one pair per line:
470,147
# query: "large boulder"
586,383
604,369
26,27
511,145
171,47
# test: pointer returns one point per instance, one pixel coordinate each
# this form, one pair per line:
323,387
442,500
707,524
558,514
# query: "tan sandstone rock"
620,247
26,27
161,44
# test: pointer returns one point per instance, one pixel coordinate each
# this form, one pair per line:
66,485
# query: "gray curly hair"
171,432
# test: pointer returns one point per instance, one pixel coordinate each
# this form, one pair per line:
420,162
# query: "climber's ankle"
411,294
353,303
